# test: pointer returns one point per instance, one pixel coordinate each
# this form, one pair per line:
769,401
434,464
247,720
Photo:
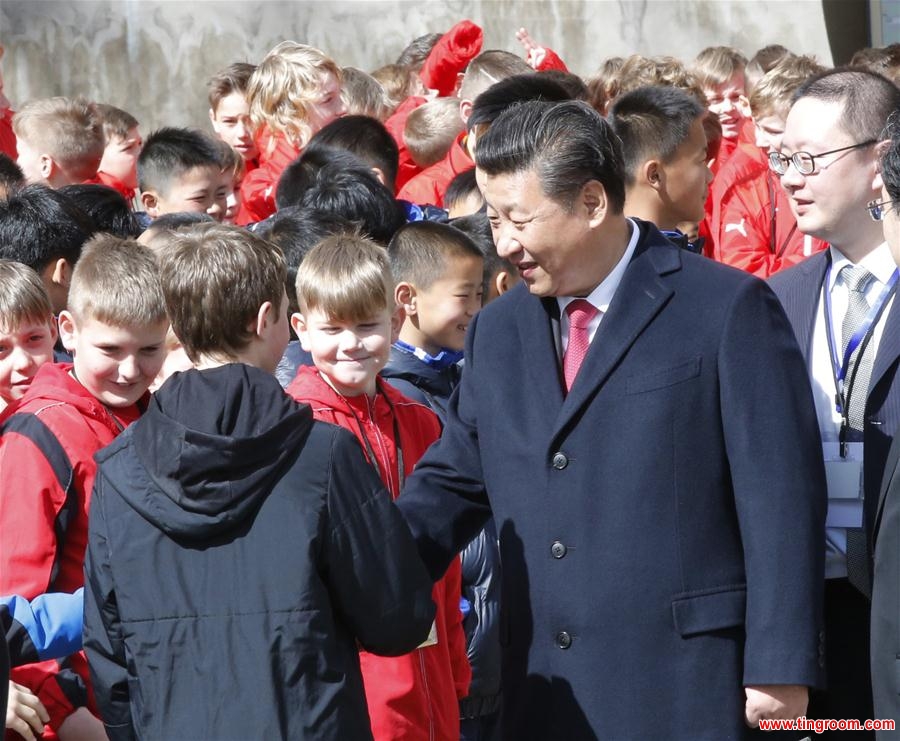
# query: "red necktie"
580,313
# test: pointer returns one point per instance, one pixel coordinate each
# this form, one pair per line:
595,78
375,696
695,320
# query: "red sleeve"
550,60
62,686
395,124
7,136
453,629
29,507
258,186
456,48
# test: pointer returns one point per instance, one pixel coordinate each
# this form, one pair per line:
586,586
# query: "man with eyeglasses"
886,529
847,322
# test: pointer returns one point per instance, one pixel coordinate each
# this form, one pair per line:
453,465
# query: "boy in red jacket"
115,327
347,321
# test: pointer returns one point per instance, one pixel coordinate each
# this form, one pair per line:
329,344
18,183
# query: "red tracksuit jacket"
44,509
414,697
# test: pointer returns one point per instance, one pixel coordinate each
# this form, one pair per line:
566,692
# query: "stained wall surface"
153,57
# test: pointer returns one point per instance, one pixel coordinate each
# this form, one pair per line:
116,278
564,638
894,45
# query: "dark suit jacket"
799,289
661,527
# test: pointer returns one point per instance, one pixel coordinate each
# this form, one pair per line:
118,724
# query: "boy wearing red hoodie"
347,321
115,327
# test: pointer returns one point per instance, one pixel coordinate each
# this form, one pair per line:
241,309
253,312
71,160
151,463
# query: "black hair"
518,88
461,187
566,144
296,231
420,250
11,176
868,99
107,208
652,122
569,81
298,176
365,137
170,152
478,228
172,221
417,51
890,162
39,225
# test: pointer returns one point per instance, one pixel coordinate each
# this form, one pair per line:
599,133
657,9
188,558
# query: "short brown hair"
23,297
346,277
396,80
775,90
233,79
214,278
364,95
638,71
70,130
116,122
116,281
487,68
431,130
716,65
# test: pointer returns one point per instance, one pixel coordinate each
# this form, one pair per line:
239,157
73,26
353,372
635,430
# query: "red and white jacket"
414,697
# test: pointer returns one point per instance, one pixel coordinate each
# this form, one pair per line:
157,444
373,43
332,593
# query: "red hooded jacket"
258,186
44,523
414,697
430,185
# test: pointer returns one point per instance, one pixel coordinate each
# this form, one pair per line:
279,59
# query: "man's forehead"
816,121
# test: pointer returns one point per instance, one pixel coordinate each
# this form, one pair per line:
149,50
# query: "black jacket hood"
213,443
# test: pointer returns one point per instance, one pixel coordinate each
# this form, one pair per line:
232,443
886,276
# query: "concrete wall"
153,57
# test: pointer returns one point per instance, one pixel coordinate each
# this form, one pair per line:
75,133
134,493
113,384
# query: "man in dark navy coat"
829,167
660,506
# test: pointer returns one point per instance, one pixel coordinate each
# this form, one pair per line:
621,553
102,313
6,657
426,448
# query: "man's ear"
67,330
298,324
150,203
405,296
593,199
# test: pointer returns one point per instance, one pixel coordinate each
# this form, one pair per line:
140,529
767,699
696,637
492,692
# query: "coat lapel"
639,298
889,346
534,319
804,301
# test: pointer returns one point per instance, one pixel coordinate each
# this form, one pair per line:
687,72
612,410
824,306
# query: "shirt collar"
601,297
878,262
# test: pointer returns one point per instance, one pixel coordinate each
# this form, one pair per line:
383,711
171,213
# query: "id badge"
844,476
432,637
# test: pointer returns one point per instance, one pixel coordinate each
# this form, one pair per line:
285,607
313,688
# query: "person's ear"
61,273
68,331
265,318
298,324
465,110
502,282
150,202
212,118
379,174
405,296
652,174
594,201
47,166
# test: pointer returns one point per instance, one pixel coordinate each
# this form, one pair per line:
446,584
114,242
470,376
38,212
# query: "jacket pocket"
664,377
703,612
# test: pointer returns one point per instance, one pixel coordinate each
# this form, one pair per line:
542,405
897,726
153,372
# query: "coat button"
563,640
560,461
558,549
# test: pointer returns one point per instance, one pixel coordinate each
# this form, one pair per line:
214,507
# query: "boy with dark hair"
347,320
114,327
664,152
438,278
179,170
314,555
229,111
60,140
122,145
463,196
367,139
11,176
106,207
44,230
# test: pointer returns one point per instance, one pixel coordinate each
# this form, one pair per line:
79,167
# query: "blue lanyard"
861,336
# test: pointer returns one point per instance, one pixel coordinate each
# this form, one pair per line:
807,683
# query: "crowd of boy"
224,356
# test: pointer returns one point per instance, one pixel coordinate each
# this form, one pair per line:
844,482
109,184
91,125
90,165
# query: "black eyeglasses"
804,162
877,209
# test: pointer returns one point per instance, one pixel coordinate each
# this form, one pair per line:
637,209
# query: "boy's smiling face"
115,364
349,354
23,350
197,190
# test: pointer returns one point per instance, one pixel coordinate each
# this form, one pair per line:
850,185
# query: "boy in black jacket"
239,550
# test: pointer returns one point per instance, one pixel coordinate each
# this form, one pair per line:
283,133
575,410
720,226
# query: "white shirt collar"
878,262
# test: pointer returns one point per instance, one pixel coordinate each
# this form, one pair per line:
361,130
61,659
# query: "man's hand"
25,714
775,702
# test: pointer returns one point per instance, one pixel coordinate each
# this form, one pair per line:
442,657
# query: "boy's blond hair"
431,130
70,130
346,277
715,65
116,122
397,82
773,93
639,71
116,282
23,297
364,96
487,68
284,86
215,277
